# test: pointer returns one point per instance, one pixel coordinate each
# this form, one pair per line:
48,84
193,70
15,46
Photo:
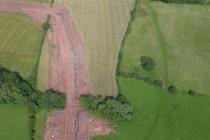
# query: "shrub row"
112,108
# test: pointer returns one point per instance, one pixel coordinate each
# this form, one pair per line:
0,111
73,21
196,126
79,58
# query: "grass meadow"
101,24
14,123
160,115
177,38
40,123
43,69
20,42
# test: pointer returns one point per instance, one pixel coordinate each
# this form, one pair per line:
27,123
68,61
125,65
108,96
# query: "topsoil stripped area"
68,73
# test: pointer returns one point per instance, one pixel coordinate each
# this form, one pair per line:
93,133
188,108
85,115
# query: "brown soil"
68,73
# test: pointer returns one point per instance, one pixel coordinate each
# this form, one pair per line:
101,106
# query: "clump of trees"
147,63
113,108
15,90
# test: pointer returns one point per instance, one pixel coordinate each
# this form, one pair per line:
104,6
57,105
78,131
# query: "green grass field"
162,116
43,69
102,24
14,123
177,38
40,122
20,41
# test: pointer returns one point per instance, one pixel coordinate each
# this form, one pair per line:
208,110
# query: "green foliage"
14,89
46,25
192,92
147,63
109,107
52,99
172,89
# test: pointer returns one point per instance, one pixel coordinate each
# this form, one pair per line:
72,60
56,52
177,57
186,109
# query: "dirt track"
68,73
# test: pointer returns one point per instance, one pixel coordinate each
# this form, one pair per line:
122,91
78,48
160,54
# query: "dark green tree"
147,63
172,89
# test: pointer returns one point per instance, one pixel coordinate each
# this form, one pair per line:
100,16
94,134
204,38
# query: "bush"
46,25
172,89
147,63
109,107
191,92
52,99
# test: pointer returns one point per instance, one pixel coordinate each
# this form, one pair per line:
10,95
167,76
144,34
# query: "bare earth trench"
68,73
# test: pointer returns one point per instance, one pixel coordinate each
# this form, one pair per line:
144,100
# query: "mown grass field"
20,42
102,24
177,38
14,123
162,116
